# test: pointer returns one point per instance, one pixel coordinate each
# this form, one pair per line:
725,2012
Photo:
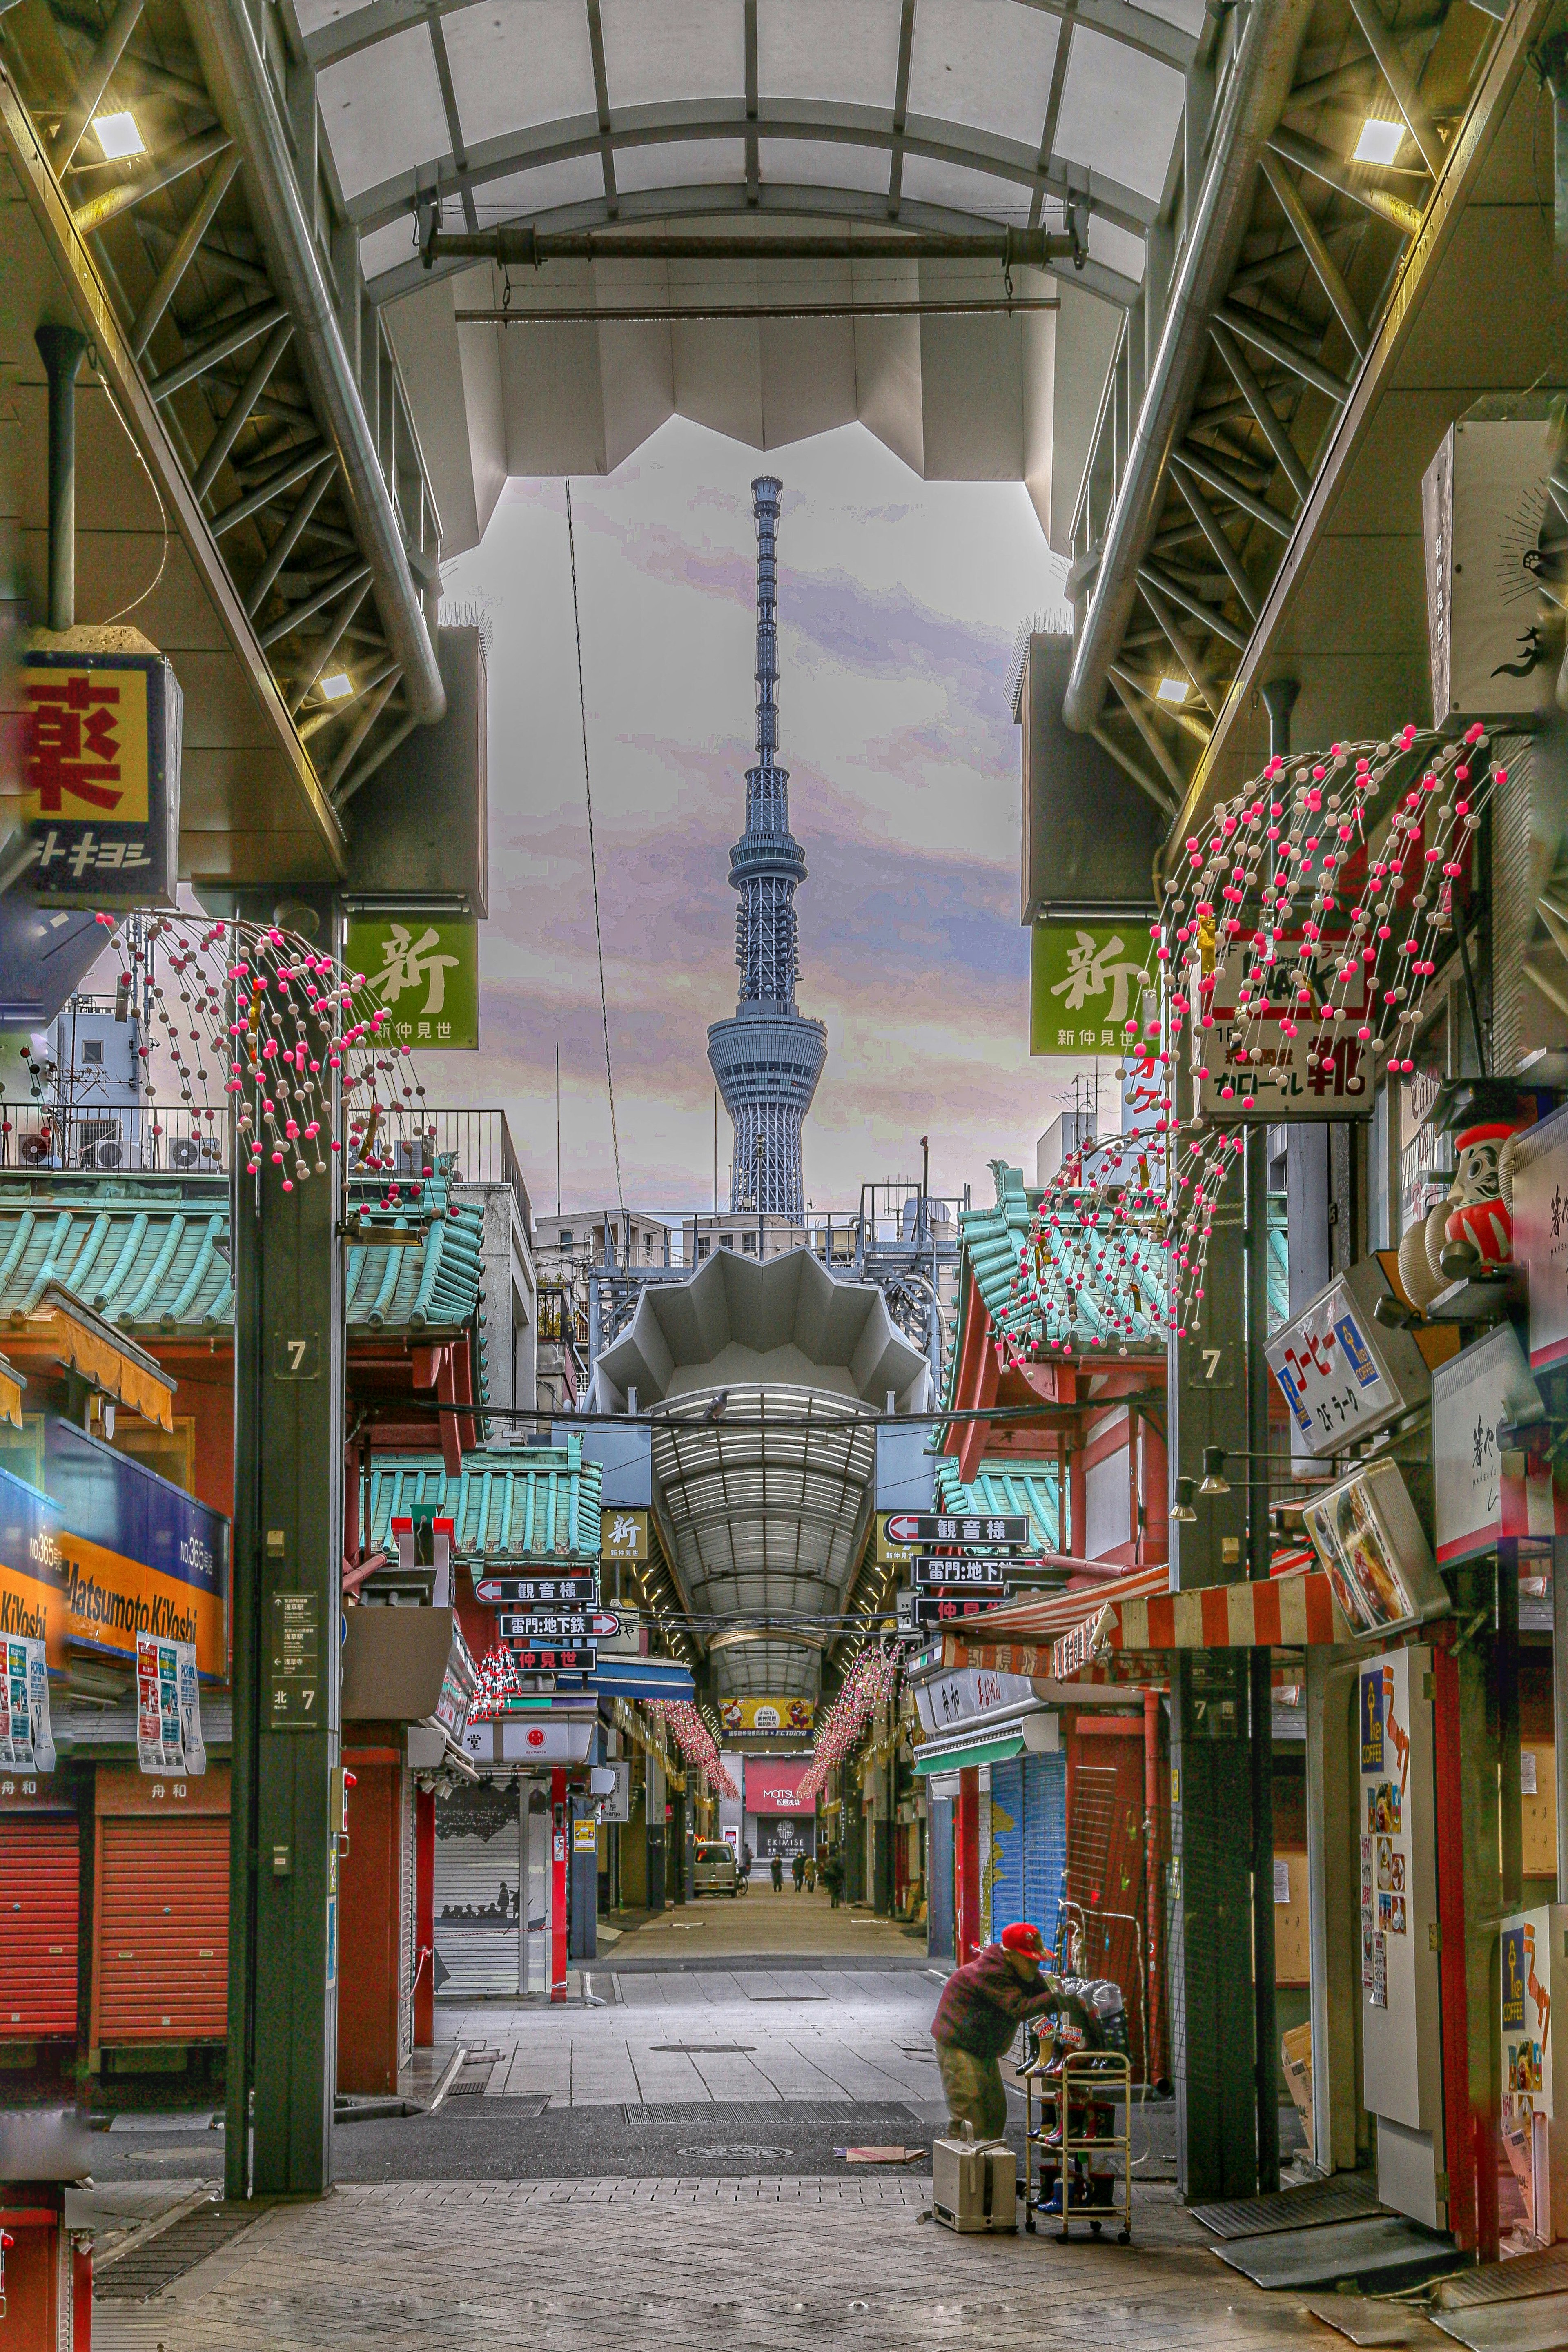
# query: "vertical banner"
168,1707
26,1742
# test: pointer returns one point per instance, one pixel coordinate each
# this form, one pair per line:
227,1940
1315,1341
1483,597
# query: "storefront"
160,1918
500,1878
779,1821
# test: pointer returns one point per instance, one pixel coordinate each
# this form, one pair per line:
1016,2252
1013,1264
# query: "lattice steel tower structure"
768,1059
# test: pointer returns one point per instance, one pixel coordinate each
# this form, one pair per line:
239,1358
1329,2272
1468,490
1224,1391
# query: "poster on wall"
1369,1538
168,1708
27,1742
782,1716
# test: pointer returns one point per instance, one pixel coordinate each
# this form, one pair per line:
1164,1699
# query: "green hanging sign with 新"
1086,984
426,970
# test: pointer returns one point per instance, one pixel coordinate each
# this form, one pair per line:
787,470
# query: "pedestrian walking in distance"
797,1869
832,1875
778,1874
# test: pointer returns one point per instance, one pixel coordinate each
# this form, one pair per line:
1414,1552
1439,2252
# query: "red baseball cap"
1022,1937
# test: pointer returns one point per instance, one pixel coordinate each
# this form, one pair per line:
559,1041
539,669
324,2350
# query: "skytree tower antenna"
768,1059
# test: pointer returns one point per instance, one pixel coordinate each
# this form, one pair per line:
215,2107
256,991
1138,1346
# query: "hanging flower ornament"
694,1739
498,1683
870,1682
277,1018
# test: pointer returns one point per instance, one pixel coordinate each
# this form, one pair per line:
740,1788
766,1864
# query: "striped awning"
70,1334
1289,1613
11,1387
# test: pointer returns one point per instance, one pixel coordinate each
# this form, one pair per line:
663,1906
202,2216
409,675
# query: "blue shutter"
1008,1843
1045,1840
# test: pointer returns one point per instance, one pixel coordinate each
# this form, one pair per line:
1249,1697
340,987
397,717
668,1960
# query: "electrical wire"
593,854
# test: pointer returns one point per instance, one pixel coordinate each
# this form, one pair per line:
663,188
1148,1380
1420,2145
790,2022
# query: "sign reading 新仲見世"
1086,984
424,972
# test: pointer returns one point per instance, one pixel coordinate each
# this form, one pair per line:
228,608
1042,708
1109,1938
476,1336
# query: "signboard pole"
1260,1711
287,1545
1210,1908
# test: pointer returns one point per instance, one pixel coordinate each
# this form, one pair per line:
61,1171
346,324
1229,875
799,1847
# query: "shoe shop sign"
101,773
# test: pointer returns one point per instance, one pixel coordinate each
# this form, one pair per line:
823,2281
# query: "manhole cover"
702,2049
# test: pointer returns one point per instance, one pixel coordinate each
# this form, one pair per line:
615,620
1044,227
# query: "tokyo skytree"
768,1059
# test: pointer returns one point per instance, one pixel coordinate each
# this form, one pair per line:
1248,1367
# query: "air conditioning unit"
110,1152
408,1157
37,1150
184,1154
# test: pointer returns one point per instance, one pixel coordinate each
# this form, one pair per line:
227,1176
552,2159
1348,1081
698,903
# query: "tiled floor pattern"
685,2265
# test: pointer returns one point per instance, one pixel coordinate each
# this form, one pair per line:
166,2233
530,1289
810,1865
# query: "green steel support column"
288,1551
1261,1708
1209,1929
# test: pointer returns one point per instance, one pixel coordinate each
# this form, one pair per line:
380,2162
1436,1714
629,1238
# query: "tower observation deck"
768,1059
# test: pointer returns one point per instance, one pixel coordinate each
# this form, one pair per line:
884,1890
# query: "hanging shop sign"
946,1608
1485,1388
1541,1235
1368,1535
168,1708
555,1658
892,1554
1484,502
945,1701
548,1626
1266,1064
623,1535
100,775
528,1591
781,1716
1341,1374
914,1529
424,970
27,1742
1084,985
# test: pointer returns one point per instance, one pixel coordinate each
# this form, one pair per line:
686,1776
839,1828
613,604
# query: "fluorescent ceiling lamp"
1379,143
338,686
1171,689
118,137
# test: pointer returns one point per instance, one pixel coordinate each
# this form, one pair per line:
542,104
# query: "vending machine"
1401,2037
1534,1978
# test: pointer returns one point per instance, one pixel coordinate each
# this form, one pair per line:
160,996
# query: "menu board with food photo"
1370,1540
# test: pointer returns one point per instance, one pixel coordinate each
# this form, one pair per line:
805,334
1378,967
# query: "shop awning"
66,1331
11,1387
956,1755
1288,1612
641,1678
407,1666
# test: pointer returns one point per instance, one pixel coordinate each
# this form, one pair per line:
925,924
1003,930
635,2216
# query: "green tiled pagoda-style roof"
1000,1487
157,1263
534,1502
992,1238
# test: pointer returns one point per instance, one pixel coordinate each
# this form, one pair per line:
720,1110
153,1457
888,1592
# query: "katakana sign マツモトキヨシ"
424,970
100,775
1086,984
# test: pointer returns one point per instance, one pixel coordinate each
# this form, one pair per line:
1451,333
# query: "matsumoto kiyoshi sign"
424,970
1084,985
101,773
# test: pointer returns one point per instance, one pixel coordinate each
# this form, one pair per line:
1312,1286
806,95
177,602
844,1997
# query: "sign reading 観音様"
100,774
423,972
1086,984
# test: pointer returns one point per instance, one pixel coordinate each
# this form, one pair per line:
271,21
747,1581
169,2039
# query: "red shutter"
163,1930
39,1885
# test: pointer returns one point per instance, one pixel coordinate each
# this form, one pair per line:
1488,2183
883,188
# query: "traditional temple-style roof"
535,1502
1008,1489
153,1258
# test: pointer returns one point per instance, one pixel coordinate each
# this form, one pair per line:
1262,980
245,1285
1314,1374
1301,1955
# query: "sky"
899,602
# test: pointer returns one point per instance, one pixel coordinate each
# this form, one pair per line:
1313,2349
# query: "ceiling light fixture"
1171,689
1379,143
337,685
118,137
1181,1509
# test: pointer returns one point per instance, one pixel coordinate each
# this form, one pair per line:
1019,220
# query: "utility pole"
558,1129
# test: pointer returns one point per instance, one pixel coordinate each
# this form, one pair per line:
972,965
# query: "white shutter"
408,1935
478,1854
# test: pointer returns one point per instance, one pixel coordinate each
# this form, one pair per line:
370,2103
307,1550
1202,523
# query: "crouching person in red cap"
982,2007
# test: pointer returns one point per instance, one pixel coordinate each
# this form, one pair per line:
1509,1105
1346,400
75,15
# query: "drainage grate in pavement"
146,2270
702,2049
780,2112
1348,2198
472,2077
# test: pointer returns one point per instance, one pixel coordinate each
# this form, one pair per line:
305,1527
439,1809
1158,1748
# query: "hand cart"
1080,2093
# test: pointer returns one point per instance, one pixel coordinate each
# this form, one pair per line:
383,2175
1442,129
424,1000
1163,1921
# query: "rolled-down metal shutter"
1006,1844
408,1937
1045,1840
478,1889
163,1930
40,1881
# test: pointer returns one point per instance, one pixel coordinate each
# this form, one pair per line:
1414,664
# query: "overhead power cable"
593,855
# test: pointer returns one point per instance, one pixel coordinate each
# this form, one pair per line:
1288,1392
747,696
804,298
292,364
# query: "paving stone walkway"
769,2264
